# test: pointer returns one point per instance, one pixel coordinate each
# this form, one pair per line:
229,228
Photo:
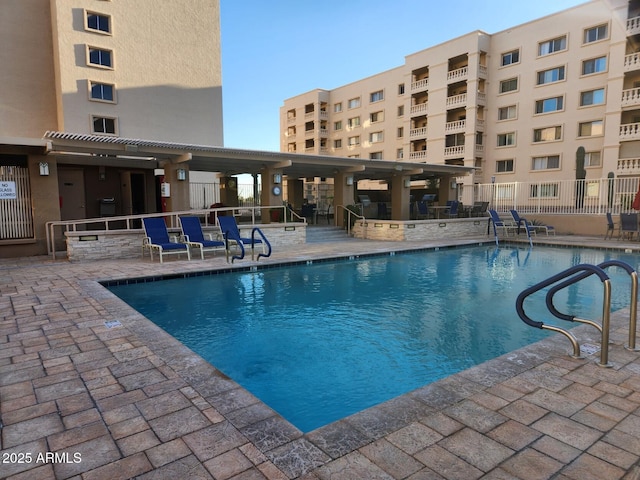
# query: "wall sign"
8,191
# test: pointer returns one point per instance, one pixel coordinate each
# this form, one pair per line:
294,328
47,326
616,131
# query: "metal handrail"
115,223
349,214
633,303
255,230
606,309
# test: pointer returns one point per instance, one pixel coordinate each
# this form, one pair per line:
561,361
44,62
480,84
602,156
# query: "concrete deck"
90,389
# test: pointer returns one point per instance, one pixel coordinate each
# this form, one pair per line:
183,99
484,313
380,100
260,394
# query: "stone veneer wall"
110,244
419,230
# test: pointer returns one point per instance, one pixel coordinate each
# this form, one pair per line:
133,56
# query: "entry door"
72,195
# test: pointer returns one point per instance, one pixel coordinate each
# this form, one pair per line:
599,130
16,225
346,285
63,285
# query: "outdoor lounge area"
83,373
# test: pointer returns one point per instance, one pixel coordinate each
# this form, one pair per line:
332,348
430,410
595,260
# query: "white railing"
420,155
483,71
458,74
457,151
418,132
630,131
570,197
419,109
631,62
455,126
633,26
457,100
420,85
628,166
631,97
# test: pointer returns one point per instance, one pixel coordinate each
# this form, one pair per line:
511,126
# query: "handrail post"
633,312
606,323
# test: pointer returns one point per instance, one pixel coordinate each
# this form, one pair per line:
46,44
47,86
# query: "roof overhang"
90,149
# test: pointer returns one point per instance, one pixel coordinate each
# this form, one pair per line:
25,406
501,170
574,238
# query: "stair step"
322,234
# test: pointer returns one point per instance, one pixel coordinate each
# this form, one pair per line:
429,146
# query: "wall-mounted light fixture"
277,178
44,169
454,184
407,182
349,180
182,174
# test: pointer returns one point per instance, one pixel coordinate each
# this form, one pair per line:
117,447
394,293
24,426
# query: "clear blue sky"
274,50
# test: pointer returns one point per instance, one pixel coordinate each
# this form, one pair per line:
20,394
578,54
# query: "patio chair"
479,209
530,226
611,226
453,209
157,238
383,211
193,236
423,211
231,234
497,222
628,225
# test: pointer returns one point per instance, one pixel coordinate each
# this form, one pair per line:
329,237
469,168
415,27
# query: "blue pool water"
319,342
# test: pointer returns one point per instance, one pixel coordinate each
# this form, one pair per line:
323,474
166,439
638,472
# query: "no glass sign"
8,191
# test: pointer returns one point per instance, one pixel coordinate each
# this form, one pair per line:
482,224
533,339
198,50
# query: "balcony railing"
631,97
479,150
457,126
631,62
480,124
633,26
419,85
482,71
457,100
420,155
418,132
420,109
457,151
630,131
628,166
458,74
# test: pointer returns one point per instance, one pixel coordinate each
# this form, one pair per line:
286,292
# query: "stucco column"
445,192
400,197
177,175
229,191
271,191
343,194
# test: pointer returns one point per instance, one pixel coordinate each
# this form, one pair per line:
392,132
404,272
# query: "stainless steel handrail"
349,214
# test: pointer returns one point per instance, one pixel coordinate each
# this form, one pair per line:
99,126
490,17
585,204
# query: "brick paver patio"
90,389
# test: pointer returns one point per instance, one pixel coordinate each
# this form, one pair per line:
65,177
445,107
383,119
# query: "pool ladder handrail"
264,239
606,309
232,236
633,303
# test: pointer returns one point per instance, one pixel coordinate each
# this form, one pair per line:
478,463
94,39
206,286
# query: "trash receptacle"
108,207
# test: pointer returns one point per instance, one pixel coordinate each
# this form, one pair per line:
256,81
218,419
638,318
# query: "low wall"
419,230
110,244
572,224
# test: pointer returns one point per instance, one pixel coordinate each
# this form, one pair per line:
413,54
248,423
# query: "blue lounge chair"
628,225
453,208
423,210
157,238
611,226
193,236
230,232
529,226
499,223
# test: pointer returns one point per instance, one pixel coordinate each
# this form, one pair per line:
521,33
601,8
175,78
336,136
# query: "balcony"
458,74
628,166
633,26
324,132
630,131
457,100
418,132
482,71
454,127
480,124
419,85
631,62
631,97
454,152
420,109
420,155
479,150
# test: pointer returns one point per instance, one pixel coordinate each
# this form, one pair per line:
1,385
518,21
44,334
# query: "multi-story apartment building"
516,104
144,69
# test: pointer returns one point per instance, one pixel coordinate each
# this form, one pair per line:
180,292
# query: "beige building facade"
516,105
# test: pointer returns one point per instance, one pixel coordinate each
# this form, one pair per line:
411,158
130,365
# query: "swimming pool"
321,341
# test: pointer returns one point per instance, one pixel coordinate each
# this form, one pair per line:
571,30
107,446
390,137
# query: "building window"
353,103
545,163
401,110
353,122
594,34
401,89
400,132
594,65
291,147
506,139
102,91
508,85
103,125
544,190
309,126
337,107
337,125
548,134
375,156
353,141
547,105
376,96
551,75
592,97
337,143
592,159
507,113
98,22
590,129
291,114
503,166
400,153
510,58
552,46
376,117
101,57
376,137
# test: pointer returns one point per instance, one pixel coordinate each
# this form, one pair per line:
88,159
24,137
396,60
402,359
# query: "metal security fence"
16,216
203,195
593,197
